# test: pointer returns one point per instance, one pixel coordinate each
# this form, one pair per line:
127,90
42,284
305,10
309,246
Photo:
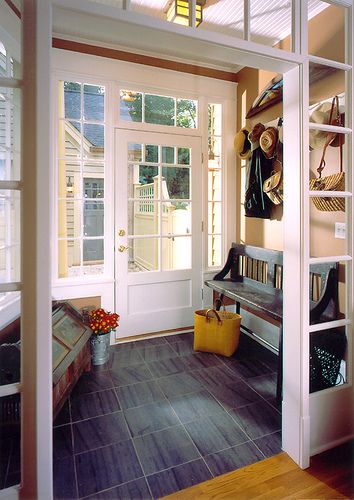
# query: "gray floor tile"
168,366
64,479
131,375
157,352
178,478
199,360
139,394
164,449
265,385
106,467
99,431
150,418
195,405
257,419
269,445
248,368
93,382
93,404
179,384
183,347
64,416
233,458
215,433
235,394
62,442
134,490
120,359
215,376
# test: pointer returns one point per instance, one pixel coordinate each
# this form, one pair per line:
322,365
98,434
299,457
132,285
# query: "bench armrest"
227,267
329,293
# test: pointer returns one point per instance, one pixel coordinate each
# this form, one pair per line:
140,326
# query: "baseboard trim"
162,333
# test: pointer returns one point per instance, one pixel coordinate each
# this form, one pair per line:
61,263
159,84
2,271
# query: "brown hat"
268,141
242,144
255,135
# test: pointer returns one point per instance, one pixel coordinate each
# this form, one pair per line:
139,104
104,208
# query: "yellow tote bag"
216,331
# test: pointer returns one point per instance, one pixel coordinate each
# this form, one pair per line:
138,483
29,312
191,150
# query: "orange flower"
101,321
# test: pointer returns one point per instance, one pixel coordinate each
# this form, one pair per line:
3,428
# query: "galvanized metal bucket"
100,348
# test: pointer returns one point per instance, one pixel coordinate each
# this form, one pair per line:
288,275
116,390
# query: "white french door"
158,257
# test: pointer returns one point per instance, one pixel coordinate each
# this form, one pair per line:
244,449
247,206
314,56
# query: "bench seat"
264,299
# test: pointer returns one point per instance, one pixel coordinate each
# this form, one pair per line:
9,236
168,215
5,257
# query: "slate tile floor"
158,418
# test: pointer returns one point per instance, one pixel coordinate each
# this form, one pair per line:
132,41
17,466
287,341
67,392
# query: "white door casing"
163,286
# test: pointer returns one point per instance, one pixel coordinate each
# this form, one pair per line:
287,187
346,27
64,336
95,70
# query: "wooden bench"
255,283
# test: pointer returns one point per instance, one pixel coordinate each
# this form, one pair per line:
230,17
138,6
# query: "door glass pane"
329,173
135,152
143,254
130,106
93,218
168,154
176,218
270,23
69,138
142,181
214,250
176,253
328,43
331,279
151,153
10,133
175,183
93,146
328,359
94,187
9,236
325,83
94,103
184,156
93,254
69,219
10,441
159,110
143,217
69,179
69,258
72,100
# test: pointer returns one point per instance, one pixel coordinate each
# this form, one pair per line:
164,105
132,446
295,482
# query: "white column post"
36,258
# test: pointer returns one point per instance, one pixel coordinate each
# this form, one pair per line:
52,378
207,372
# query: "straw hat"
255,135
320,114
242,144
268,141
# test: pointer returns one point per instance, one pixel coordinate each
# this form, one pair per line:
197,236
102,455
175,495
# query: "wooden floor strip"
330,477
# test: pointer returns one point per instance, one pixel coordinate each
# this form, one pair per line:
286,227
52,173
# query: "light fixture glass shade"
179,12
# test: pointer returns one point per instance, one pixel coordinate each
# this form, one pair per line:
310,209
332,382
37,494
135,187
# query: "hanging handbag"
333,182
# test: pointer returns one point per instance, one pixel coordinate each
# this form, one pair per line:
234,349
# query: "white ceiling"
270,19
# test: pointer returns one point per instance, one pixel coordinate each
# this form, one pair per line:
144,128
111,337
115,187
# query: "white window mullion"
36,319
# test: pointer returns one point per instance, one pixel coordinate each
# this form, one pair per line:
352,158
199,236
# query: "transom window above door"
156,109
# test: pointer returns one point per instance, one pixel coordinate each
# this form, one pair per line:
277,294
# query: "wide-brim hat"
268,141
255,135
321,114
242,144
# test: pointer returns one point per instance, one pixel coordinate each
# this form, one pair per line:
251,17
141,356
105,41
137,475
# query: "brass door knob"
121,232
122,248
